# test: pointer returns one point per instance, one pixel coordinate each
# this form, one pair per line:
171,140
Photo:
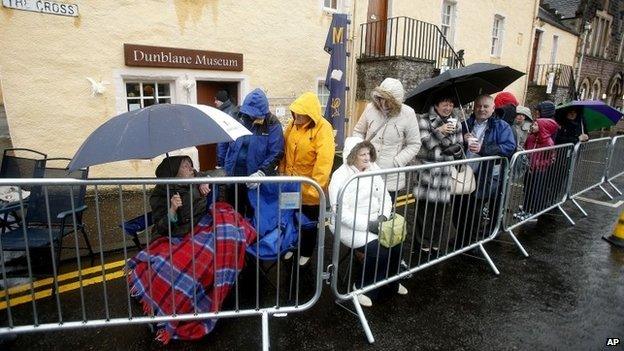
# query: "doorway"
377,26
534,52
206,91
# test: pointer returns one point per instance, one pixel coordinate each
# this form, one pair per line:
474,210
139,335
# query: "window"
600,36
323,94
497,36
448,21
331,5
553,50
143,94
596,90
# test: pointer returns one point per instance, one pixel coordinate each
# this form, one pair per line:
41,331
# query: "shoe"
303,260
402,290
288,255
363,300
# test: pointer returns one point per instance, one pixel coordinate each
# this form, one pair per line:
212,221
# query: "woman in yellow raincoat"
309,152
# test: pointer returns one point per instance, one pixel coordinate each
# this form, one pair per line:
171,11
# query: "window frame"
320,92
496,43
141,98
330,9
554,49
452,20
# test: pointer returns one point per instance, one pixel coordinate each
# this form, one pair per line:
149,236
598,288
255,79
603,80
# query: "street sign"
41,6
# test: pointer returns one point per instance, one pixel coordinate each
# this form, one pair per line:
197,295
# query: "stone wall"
371,72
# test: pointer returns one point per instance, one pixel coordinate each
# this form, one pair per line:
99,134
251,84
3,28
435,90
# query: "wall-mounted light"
604,96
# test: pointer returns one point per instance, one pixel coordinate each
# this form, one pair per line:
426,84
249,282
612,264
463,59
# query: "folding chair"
137,226
41,233
20,163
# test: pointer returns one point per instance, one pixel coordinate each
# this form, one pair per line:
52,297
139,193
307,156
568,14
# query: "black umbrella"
465,83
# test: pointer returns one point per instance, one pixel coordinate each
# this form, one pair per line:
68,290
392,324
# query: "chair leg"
86,239
137,242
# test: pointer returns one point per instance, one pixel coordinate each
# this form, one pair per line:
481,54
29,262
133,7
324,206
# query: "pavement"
568,295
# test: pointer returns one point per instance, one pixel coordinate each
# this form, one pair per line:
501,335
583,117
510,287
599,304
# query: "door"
206,92
534,52
376,28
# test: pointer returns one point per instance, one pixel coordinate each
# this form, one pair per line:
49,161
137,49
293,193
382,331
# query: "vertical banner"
335,79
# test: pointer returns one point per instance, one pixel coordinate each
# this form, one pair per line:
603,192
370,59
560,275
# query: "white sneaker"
303,260
364,300
402,290
288,255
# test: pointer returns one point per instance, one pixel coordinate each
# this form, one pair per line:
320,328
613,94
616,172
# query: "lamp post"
586,30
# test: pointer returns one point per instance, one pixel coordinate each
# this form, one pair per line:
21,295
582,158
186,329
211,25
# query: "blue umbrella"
156,130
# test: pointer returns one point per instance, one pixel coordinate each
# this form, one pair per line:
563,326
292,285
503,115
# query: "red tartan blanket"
199,287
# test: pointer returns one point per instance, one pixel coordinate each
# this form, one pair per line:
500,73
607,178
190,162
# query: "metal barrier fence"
616,161
439,225
102,294
590,163
538,182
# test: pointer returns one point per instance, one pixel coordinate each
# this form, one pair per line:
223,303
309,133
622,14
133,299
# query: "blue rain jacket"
262,150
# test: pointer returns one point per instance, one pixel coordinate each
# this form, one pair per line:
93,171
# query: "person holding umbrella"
392,127
255,155
572,127
442,139
309,152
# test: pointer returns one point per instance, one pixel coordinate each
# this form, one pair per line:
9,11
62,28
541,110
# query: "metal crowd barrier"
74,295
538,183
466,222
590,164
616,161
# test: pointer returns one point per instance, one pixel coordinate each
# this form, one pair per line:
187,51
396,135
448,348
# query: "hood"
547,127
168,168
394,88
255,104
307,104
349,144
392,91
546,109
505,98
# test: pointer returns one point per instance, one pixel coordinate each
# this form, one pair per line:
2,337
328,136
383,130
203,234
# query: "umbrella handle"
462,110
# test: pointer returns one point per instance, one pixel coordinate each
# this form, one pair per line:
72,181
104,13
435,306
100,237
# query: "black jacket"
159,201
570,131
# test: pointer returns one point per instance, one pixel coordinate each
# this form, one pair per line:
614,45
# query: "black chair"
22,163
19,163
53,202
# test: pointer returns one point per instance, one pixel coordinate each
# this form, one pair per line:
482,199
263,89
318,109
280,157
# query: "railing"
407,37
564,75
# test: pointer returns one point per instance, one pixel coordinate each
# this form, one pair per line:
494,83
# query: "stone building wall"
371,72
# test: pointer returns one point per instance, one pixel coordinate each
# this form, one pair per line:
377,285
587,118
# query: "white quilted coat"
362,202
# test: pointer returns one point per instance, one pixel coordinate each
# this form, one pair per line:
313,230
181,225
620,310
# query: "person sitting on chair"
365,205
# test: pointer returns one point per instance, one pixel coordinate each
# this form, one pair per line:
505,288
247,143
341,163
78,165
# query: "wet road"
568,295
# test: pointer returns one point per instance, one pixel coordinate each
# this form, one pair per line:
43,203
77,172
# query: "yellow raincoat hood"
309,150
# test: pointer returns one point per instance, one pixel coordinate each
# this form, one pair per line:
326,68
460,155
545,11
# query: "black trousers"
309,236
432,223
379,262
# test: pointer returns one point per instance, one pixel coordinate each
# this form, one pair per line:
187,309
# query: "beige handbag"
462,182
